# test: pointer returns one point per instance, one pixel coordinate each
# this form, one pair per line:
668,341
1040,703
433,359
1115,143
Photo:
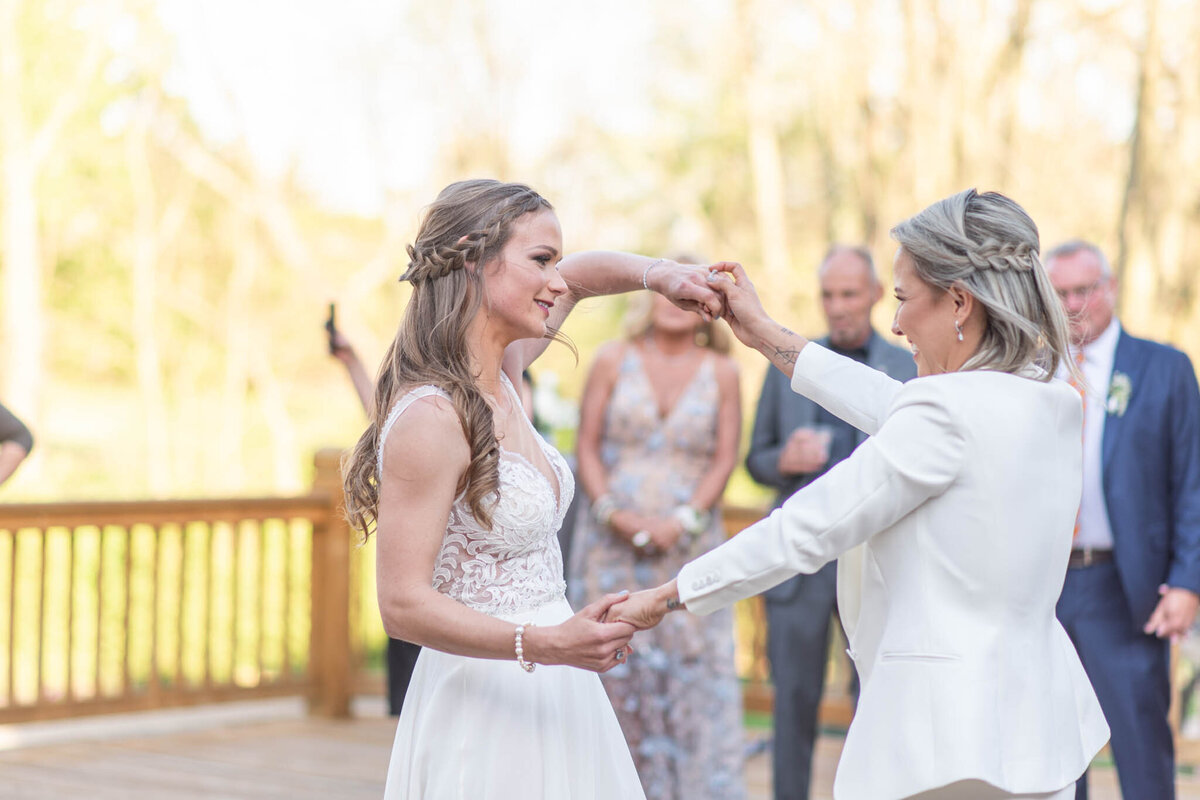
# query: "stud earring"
958,330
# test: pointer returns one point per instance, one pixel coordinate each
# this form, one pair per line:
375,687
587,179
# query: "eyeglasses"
1082,293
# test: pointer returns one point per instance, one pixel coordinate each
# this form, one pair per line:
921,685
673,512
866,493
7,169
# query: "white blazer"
965,497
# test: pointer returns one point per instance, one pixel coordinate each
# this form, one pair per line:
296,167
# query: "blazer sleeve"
915,455
1184,571
857,393
13,430
766,436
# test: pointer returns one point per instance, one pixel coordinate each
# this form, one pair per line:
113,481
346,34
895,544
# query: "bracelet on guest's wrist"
603,509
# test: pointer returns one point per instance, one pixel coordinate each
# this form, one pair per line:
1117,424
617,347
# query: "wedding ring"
621,654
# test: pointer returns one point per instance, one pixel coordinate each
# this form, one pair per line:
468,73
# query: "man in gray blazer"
793,442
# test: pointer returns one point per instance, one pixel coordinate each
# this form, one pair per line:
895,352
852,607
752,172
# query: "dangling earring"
958,329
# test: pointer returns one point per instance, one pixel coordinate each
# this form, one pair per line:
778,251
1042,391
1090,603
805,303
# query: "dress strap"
512,390
398,408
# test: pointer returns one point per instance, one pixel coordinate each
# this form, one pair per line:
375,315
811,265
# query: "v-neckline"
553,480
660,416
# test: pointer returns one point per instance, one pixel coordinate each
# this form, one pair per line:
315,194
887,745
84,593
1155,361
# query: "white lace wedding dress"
480,729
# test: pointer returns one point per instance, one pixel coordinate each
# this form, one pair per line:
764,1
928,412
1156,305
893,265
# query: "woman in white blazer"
964,499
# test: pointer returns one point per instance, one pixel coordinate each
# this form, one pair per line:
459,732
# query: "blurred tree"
41,87
163,286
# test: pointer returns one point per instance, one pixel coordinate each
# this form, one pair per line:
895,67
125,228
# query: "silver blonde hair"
988,245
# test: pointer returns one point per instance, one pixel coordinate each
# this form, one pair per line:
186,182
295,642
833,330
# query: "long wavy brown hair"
468,223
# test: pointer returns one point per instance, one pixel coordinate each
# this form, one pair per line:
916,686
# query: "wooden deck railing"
118,606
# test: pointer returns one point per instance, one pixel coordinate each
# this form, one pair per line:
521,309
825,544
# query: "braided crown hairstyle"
987,244
468,223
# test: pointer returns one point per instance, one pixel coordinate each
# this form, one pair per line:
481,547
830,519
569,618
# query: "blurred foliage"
182,283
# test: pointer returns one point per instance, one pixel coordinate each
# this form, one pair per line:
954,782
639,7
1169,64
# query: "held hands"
645,609
687,287
743,310
1174,613
721,290
586,640
665,532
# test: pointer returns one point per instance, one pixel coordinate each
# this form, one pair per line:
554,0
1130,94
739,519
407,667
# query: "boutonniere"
1119,390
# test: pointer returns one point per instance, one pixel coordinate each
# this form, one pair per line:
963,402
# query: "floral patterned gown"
677,698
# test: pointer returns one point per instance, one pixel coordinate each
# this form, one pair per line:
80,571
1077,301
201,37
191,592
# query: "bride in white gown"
466,500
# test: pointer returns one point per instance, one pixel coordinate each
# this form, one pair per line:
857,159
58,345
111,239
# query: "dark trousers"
798,646
401,658
1130,672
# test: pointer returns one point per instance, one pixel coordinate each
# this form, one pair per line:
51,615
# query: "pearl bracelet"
518,644
646,273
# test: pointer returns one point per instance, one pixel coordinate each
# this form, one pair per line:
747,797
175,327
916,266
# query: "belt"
1086,557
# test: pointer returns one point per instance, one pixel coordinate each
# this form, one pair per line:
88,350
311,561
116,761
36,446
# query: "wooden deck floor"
270,750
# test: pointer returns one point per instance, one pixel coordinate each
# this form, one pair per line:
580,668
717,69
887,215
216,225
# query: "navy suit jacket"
1150,463
781,411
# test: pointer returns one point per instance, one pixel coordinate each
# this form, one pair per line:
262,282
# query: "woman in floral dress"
658,438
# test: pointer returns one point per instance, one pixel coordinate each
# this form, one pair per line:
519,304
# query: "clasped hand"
643,610
740,306
723,291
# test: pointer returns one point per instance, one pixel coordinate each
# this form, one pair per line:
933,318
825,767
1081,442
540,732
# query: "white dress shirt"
1094,528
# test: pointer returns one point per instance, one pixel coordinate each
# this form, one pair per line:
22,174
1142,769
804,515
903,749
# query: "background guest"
1134,572
15,443
401,656
795,441
658,438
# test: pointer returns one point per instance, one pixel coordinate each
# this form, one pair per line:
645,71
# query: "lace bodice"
517,564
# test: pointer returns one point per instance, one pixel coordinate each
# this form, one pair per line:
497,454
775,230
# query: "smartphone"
331,328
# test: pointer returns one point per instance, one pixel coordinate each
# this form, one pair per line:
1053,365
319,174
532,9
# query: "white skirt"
479,729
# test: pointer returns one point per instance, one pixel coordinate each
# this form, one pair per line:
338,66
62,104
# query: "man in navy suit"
793,442
1134,576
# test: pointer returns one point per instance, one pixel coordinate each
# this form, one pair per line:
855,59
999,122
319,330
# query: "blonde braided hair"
987,244
468,224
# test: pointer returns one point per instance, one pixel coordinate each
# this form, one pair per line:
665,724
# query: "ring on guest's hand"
621,654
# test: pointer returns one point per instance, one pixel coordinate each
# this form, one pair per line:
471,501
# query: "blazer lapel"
1124,360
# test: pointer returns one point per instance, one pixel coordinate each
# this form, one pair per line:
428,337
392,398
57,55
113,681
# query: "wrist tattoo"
673,603
785,356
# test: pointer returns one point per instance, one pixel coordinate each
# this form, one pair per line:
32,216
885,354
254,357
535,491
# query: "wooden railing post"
330,644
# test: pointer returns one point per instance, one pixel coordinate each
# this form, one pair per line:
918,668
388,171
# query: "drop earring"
958,330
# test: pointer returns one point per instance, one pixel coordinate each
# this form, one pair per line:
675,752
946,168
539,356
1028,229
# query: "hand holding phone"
331,329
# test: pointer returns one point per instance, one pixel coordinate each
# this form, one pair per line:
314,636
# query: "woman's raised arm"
592,273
